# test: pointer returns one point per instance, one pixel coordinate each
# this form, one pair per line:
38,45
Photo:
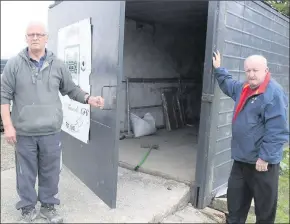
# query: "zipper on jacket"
249,99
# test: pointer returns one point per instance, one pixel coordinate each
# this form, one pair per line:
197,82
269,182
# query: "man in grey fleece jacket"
33,80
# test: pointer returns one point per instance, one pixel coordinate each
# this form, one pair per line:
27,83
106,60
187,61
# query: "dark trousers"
40,156
246,183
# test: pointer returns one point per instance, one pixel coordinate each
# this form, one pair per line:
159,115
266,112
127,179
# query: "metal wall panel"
245,28
96,163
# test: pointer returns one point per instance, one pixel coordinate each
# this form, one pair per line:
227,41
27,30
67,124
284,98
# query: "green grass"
282,215
283,201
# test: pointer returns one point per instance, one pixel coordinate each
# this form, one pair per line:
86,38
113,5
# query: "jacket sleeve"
68,87
228,85
276,130
8,82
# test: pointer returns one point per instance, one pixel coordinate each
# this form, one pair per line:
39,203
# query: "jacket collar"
262,88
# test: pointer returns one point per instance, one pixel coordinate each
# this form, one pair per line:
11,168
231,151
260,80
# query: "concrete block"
188,215
220,204
217,216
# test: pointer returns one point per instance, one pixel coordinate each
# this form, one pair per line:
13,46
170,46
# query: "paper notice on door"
74,48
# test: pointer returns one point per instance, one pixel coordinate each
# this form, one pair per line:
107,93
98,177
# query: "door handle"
113,100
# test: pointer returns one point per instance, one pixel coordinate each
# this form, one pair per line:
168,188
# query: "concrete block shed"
157,45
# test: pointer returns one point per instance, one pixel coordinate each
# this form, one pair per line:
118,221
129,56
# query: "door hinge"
195,196
207,97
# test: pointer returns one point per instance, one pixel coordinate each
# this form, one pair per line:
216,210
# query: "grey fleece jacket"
37,109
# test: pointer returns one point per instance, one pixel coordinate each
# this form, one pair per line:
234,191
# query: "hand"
261,165
97,101
10,135
216,60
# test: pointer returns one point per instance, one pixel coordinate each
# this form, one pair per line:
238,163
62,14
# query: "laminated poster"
74,48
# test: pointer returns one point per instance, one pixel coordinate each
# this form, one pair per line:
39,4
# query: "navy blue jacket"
260,130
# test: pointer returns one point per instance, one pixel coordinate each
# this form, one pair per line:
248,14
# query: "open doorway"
164,49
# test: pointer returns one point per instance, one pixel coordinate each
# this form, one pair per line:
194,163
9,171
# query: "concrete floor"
189,215
157,198
141,199
175,158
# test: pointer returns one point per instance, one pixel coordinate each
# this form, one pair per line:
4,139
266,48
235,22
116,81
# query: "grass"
282,215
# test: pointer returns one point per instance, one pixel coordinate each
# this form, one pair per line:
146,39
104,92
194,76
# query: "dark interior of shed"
164,48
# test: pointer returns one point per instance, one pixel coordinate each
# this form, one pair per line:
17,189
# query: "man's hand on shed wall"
216,60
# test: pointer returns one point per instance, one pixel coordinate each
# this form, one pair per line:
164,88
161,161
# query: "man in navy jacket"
259,132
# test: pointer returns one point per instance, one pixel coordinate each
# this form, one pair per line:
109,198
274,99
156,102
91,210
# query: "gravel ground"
7,155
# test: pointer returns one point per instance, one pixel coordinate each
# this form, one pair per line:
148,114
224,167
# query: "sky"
13,29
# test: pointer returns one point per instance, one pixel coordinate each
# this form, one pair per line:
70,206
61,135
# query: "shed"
157,56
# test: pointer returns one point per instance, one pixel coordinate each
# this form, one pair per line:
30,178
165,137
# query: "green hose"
143,160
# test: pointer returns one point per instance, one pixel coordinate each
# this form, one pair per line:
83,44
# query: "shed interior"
164,49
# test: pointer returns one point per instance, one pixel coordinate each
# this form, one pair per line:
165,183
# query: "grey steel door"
95,162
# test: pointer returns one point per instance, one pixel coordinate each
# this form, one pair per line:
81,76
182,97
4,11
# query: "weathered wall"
162,53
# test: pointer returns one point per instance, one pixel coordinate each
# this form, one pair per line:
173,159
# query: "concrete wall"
159,53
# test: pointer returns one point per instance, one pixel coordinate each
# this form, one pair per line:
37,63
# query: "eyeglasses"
38,35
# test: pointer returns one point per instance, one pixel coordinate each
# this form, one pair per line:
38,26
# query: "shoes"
29,214
48,212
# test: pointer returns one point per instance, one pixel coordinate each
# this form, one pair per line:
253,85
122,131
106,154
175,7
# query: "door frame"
118,92
201,194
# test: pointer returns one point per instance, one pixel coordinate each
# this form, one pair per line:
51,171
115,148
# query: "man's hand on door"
96,101
216,60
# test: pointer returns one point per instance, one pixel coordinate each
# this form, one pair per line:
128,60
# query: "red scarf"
247,92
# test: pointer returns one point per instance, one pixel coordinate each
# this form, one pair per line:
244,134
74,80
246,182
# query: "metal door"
93,158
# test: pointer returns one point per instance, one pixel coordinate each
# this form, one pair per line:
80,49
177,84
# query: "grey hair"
260,58
33,23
